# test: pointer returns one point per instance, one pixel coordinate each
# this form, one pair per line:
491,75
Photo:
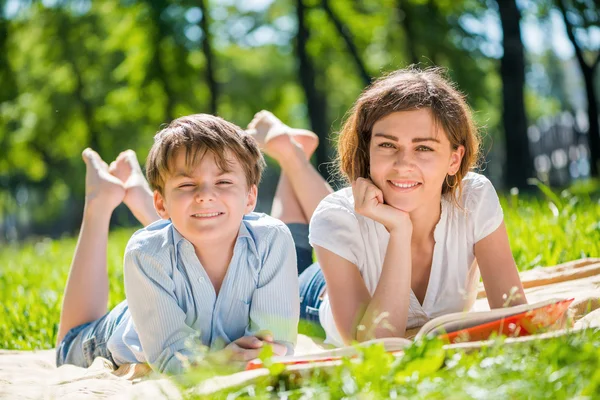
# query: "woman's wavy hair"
407,90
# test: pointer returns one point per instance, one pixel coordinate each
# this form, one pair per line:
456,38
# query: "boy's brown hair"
406,90
197,134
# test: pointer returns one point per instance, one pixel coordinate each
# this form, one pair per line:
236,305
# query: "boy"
211,269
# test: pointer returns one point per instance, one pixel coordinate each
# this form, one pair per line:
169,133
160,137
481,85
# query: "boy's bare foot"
138,196
101,188
277,139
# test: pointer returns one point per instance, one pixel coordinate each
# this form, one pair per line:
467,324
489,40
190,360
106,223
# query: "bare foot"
101,188
138,196
276,138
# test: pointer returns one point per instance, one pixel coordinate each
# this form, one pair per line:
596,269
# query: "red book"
522,320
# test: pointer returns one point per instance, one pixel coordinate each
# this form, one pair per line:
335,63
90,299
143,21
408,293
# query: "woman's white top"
452,287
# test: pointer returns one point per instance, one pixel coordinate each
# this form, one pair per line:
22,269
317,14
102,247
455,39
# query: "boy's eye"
224,182
424,148
186,185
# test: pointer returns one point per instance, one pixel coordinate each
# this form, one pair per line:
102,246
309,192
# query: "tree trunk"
406,22
345,33
157,69
512,70
588,77
210,60
316,101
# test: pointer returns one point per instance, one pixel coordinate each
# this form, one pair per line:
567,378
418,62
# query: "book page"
463,320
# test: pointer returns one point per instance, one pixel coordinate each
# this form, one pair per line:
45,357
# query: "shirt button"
201,280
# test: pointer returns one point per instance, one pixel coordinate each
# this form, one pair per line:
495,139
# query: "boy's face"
206,204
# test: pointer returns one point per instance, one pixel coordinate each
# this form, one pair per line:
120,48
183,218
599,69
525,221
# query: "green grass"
544,230
563,368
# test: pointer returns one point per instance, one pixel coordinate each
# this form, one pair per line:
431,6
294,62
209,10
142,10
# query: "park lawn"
544,230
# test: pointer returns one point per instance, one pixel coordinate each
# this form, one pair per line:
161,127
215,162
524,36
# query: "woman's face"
410,157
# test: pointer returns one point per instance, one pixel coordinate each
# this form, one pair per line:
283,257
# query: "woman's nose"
403,158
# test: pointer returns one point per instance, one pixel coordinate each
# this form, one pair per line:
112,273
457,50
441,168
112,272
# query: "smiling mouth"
405,185
207,215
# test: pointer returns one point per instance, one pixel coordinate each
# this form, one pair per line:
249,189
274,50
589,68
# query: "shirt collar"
242,233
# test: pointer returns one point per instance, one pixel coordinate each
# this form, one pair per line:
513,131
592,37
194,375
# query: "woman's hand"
368,202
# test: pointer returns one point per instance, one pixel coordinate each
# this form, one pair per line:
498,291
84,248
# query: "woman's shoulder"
335,210
475,187
342,197
340,200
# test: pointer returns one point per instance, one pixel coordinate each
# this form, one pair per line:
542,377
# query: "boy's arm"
275,303
158,319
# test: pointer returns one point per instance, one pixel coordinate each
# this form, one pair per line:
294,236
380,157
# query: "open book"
522,320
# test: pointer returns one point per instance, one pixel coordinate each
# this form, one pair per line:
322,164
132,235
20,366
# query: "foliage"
565,367
108,74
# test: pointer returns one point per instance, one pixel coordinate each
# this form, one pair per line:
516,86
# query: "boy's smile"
205,203
410,157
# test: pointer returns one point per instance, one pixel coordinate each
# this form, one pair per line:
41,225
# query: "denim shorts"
83,343
312,284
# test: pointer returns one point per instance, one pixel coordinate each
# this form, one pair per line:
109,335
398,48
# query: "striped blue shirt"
171,299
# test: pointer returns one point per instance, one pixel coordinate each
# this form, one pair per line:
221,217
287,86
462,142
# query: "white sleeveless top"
452,287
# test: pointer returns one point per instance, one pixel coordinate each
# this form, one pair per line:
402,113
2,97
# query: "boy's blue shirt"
172,300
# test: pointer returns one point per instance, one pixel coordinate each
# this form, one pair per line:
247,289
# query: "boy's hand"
368,201
248,348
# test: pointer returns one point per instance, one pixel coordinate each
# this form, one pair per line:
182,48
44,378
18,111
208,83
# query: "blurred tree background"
107,74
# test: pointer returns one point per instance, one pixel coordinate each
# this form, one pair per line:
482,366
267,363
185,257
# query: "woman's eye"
387,145
424,148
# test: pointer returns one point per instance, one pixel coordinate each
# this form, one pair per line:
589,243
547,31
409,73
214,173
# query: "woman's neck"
424,220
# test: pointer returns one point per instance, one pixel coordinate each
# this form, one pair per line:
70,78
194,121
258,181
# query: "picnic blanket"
33,374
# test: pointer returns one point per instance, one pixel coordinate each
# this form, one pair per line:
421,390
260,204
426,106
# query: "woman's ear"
159,205
456,159
252,198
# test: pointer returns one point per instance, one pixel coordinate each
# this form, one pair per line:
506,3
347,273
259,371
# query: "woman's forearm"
387,313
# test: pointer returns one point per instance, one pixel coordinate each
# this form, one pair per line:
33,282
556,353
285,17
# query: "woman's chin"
402,204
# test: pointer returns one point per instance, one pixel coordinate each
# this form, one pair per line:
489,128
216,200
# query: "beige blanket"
33,374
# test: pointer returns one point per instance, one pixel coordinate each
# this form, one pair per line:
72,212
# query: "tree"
512,71
209,56
315,98
579,16
345,33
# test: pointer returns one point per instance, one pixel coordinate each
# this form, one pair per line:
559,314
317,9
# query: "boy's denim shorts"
82,344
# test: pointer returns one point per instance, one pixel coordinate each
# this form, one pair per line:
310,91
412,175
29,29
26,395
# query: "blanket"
33,374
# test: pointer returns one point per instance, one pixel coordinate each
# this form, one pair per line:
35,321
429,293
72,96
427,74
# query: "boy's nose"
204,194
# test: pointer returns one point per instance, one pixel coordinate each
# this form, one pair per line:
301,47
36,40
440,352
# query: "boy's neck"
424,220
215,258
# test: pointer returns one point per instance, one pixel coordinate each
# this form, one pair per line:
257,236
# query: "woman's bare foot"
277,139
102,190
138,196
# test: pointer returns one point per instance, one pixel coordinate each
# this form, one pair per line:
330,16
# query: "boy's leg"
86,294
138,196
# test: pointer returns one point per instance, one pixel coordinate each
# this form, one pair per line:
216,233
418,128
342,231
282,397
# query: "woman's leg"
86,294
301,188
312,288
